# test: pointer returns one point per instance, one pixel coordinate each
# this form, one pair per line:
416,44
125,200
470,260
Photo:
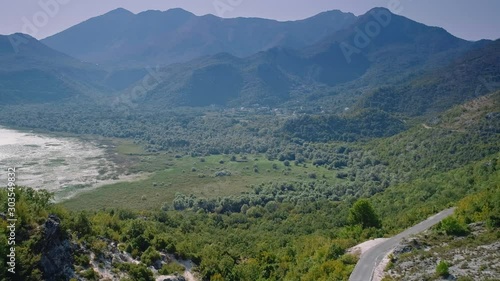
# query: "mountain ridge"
403,48
156,37
404,51
31,72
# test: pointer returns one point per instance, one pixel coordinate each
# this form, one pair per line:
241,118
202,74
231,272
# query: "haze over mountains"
331,59
123,38
31,72
403,48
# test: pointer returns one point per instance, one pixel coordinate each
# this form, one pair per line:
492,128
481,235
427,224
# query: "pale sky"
468,19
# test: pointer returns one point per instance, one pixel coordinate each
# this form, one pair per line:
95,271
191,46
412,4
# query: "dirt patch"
365,246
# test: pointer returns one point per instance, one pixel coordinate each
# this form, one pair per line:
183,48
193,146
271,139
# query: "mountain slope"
405,68
31,72
154,37
401,52
266,79
475,73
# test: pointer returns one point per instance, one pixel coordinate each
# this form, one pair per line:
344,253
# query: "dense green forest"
273,234
278,230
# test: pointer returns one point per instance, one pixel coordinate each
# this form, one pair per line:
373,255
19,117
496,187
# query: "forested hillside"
30,72
263,153
472,75
266,233
280,239
270,77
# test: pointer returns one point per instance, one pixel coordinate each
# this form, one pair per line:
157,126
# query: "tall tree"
362,213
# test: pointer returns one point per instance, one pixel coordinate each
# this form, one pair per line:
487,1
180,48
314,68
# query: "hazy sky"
468,19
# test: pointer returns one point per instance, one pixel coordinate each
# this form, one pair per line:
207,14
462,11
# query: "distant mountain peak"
119,11
26,45
406,27
380,9
19,34
335,12
17,42
332,14
178,11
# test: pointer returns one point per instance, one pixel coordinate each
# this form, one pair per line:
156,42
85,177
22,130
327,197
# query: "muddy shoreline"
64,165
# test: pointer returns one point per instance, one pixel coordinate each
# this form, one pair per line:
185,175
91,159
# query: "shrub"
98,247
312,175
255,212
150,256
271,206
90,274
349,259
244,209
223,173
335,251
82,260
171,268
452,226
442,269
140,272
82,225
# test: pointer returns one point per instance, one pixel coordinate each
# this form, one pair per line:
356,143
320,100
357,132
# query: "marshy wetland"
63,165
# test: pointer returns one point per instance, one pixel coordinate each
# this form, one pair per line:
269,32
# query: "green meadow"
164,175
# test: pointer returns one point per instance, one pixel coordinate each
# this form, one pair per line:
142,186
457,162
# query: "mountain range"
154,37
403,52
174,58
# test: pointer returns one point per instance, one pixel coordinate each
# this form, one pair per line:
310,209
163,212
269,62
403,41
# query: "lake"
63,165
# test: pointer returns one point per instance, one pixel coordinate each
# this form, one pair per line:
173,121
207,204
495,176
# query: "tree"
82,224
362,213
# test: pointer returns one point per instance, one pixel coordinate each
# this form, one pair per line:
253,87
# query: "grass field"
171,174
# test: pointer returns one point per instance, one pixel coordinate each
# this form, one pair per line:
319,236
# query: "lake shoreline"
61,163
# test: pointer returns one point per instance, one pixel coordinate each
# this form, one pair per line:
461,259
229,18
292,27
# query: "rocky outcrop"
474,257
407,245
56,252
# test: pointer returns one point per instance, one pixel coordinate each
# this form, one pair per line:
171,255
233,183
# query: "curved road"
370,259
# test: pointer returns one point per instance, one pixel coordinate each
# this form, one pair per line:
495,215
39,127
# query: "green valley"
247,149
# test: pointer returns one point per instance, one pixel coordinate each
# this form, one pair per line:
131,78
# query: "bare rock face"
407,245
56,261
474,257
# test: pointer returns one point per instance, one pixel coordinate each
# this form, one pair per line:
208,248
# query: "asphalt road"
370,259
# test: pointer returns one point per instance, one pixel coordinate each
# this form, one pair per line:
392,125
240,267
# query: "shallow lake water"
63,165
